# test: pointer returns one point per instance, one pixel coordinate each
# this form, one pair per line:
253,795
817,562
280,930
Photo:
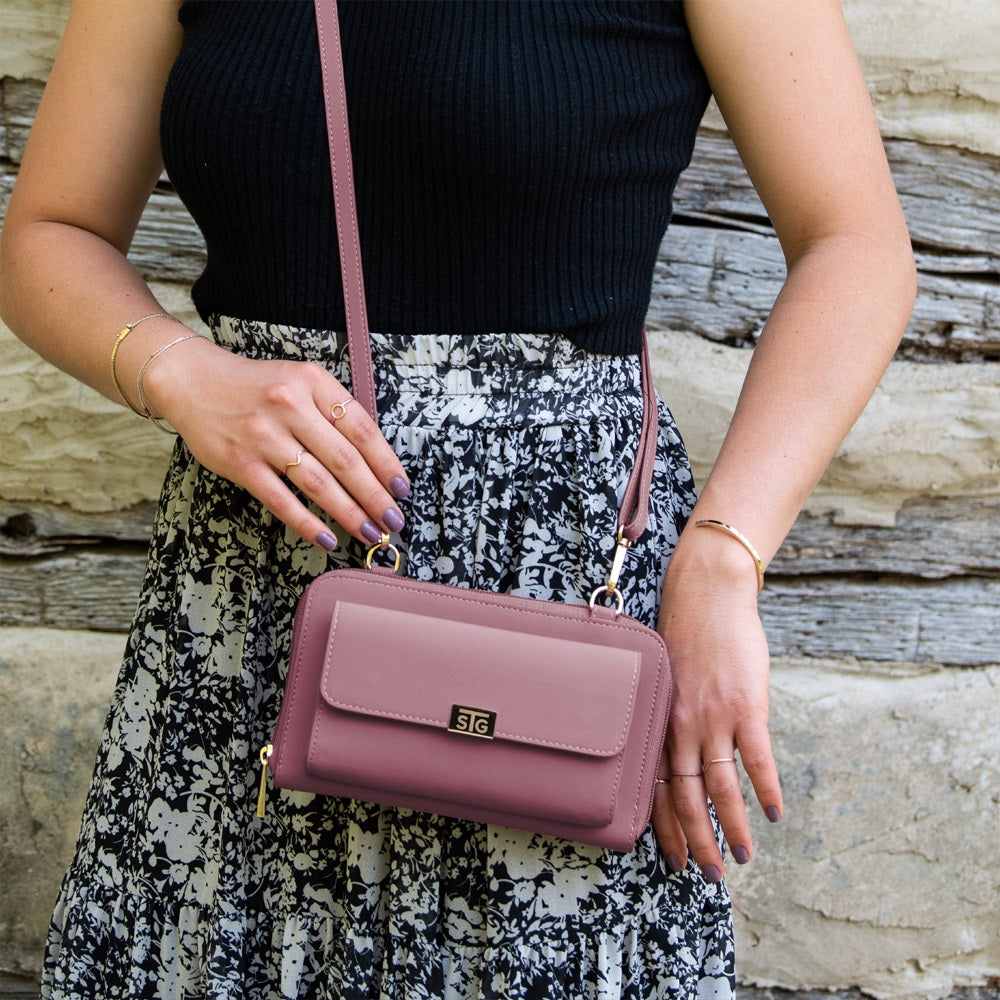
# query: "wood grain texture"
933,538
720,265
926,591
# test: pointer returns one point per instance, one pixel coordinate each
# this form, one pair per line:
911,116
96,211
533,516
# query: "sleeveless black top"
514,160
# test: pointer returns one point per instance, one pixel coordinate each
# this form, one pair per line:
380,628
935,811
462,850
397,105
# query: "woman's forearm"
830,336
67,293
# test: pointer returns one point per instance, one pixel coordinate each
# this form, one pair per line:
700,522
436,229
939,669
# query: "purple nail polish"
400,487
711,873
675,863
370,532
325,540
771,812
393,520
741,854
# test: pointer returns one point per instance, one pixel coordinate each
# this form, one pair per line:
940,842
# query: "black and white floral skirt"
518,448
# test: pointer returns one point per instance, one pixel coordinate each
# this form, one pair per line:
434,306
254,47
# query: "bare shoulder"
789,84
96,130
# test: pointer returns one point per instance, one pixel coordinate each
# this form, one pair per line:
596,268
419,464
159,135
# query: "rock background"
881,607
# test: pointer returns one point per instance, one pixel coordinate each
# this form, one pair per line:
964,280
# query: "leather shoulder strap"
635,504
342,172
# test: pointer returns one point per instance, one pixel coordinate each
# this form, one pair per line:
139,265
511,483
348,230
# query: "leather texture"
379,663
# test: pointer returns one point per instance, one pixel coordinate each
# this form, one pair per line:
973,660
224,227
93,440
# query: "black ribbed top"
514,160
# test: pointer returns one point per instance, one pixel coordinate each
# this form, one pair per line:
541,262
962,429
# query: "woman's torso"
514,160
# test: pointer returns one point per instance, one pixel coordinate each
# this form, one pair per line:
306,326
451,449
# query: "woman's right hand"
265,424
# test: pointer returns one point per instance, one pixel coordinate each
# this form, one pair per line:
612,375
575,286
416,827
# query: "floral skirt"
518,448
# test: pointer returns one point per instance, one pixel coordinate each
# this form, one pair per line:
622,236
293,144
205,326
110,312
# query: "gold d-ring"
291,465
341,407
381,546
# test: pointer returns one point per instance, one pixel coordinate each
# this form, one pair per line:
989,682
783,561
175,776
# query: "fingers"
337,457
289,509
681,817
721,782
269,425
669,833
324,479
758,761
688,800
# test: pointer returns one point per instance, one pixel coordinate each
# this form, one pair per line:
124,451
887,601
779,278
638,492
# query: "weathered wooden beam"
88,590
18,104
951,197
933,538
720,283
29,530
953,622
720,265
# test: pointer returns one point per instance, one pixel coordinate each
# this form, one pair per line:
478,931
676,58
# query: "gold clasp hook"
381,546
611,586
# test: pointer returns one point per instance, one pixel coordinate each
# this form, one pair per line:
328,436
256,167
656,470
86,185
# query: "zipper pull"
265,754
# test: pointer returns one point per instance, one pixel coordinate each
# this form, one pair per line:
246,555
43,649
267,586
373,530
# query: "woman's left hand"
720,665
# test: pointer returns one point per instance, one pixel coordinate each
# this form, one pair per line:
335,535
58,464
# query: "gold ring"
717,760
291,465
685,774
342,407
663,781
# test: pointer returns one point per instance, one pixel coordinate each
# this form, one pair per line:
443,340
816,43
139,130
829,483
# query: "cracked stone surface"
54,691
879,874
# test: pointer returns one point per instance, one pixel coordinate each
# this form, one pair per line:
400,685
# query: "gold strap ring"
616,594
382,546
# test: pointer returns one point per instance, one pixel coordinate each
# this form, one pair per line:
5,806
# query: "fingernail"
326,541
675,863
400,487
771,812
741,854
711,873
370,532
393,520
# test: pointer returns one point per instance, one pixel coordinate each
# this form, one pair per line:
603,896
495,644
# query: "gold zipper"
265,754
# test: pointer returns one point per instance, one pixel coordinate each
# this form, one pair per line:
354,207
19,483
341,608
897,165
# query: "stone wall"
881,607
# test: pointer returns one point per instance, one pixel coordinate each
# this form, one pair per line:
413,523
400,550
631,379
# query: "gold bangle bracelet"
742,539
142,371
127,329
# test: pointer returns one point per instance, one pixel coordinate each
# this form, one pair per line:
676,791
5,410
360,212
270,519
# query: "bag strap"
635,505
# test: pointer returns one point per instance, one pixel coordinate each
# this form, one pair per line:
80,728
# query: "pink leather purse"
543,716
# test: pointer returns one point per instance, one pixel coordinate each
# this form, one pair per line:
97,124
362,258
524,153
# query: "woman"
514,166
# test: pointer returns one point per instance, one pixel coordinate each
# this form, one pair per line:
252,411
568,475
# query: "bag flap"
468,677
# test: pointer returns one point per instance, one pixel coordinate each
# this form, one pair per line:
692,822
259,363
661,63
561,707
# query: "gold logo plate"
468,721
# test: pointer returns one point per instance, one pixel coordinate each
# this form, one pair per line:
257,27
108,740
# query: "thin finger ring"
718,760
685,774
339,409
291,465
663,781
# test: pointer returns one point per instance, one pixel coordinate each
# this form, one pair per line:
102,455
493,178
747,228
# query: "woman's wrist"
715,559
166,367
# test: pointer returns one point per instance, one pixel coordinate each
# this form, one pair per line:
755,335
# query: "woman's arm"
789,86
66,288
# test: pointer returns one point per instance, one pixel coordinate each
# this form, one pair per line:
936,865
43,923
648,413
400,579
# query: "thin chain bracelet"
126,330
142,371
